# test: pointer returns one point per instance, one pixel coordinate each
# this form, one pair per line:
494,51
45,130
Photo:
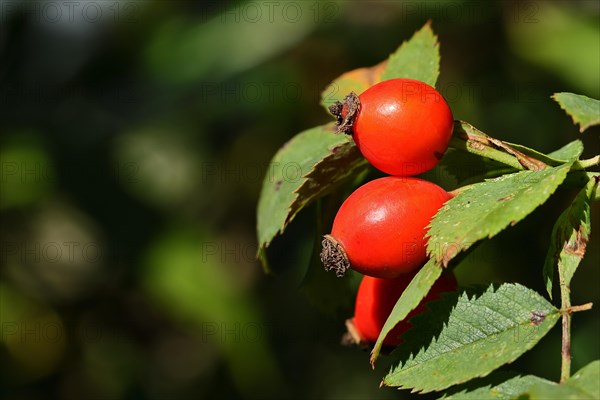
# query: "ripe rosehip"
375,301
380,229
401,126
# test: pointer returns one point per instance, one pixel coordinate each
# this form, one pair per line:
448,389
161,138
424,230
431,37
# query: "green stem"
565,291
583,164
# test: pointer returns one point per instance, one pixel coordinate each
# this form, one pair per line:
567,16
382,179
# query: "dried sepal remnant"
345,113
333,256
352,337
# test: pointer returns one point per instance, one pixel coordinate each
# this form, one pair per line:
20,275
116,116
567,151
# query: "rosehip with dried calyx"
380,228
401,126
375,301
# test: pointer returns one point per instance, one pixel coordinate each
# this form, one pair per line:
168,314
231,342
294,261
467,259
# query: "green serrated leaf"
469,168
586,380
341,163
305,168
468,335
468,139
584,110
554,391
486,208
473,155
585,384
262,257
567,153
570,236
356,81
418,58
416,291
497,386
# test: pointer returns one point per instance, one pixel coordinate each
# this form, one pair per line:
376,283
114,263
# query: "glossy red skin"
403,126
382,224
376,299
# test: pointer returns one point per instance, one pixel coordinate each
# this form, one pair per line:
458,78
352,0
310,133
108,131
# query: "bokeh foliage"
133,146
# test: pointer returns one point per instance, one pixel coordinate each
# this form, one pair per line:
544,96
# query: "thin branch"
583,164
565,297
583,307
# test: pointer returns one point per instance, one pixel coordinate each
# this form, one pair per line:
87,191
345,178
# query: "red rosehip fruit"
401,126
380,228
375,301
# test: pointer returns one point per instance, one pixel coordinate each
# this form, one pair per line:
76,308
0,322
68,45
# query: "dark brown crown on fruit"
334,256
345,113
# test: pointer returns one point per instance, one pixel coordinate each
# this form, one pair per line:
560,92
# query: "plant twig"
583,164
566,311
565,298
583,307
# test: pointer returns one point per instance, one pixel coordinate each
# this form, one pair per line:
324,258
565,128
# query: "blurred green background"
134,137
